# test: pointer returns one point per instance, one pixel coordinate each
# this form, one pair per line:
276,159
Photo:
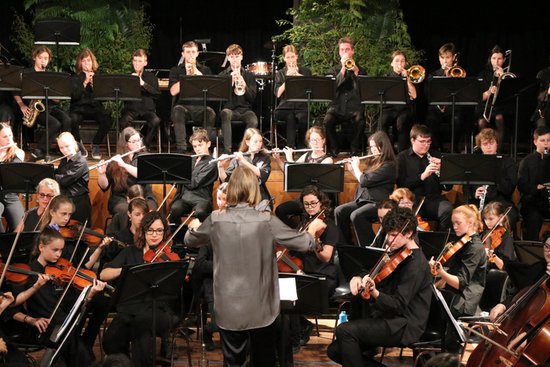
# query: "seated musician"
10,205
490,76
185,111
258,162
464,274
384,207
122,173
376,183
120,219
503,192
542,113
83,102
406,199
347,107
293,113
438,118
418,171
198,193
534,197
73,176
46,190
144,108
133,324
396,115
500,249
399,304
241,98
44,296
11,356
58,120
316,140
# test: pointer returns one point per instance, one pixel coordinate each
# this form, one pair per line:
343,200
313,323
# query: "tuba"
416,73
36,107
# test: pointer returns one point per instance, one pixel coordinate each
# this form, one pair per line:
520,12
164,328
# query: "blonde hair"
248,134
400,193
289,48
470,212
10,152
50,184
243,187
70,136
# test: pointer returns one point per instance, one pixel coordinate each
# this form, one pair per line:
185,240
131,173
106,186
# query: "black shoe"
296,349
82,149
208,342
306,332
191,321
38,154
354,153
166,349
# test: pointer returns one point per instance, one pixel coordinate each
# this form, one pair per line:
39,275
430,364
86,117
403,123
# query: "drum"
259,68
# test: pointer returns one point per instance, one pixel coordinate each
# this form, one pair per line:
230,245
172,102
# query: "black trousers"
353,338
359,124
533,217
183,207
400,118
287,209
82,209
438,208
58,122
153,121
98,114
226,116
293,118
261,342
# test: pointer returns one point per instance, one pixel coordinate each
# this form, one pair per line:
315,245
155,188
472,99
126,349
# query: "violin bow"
269,202
12,249
497,224
159,251
42,216
166,197
498,345
377,266
445,247
78,242
419,206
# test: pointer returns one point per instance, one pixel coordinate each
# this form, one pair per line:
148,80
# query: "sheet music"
73,313
287,289
448,311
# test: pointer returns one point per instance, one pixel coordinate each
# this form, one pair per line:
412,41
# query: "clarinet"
482,198
428,155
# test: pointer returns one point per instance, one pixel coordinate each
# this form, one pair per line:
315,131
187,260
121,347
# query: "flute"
109,160
8,146
294,150
231,156
58,159
363,157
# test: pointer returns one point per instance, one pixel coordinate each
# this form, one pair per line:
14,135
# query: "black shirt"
73,176
180,70
82,96
280,79
202,181
347,99
506,185
377,185
245,101
505,251
531,171
32,220
263,163
411,167
149,92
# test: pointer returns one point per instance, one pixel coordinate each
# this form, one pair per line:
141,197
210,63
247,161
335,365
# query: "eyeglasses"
310,205
42,195
406,203
546,247
424,142
150,231
315,140
134,141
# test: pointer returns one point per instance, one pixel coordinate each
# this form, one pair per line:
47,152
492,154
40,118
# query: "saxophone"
36,107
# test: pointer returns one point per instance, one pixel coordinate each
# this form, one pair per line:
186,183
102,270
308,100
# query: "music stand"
24,177
45,85
383,91
529,252
23,249
328,177
117,87
159,281
203,88
466,169
309,89
354,259
446,91
432,243
60,31
10,77
163,169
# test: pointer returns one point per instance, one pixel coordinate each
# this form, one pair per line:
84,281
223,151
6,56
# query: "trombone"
456,71
504,75
416,74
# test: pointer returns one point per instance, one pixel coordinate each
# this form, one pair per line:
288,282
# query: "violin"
18,274
388,268
492,240
422,224
92,237
448,251
318,244
63,271
163,252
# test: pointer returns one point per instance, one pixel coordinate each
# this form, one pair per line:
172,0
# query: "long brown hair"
10,152
146,222
497,209
82,55
243,187
386,152
45,238
55,204
117,173
248,134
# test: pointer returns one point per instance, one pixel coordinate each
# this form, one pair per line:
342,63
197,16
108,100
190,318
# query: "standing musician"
395,115
465,275
258,162
10,205
293,113
239,106
133,324
376,183
198,193
490,76
500,249
247,297
534,197
419,174
347,106
316,139
144,108
58,120
438,117
73,176
47,251
83,103
46,190
122,173
399,305
503,192
185,111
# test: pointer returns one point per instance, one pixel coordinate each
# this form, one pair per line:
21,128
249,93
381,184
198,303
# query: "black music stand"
328,177
203,88
23,249
140,284
432,243
163,169
446,91
354,259
57,31
529,252
383,91
10,77
24,177
45,85
309,89
117,87
466,169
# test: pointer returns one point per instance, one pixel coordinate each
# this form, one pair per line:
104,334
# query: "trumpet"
121,156
190,68
504,75
223,157
292,69
416,74
349,64
240,89
363,157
